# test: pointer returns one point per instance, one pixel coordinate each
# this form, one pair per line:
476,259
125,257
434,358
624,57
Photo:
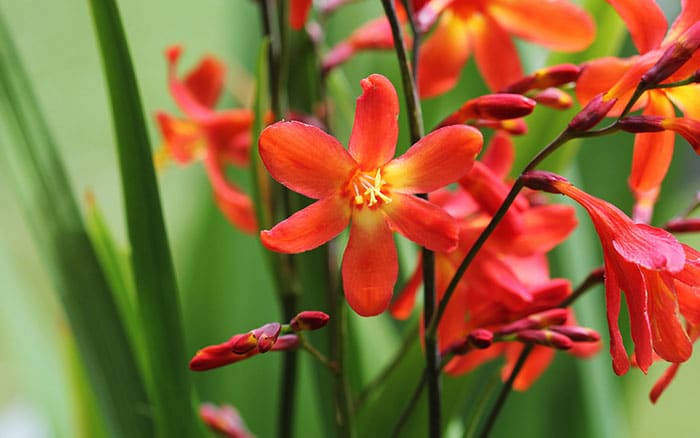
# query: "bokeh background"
223,282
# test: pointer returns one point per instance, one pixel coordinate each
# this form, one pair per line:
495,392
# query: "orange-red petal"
670,340
370,264
690,14
438,159
495,52
645,21
206,81
375,130
422,222
184,139
233,203
298,11
599,75
305,159
620,359
442,56
500,154
309,227
556,24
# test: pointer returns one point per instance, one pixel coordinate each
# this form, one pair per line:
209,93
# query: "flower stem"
343,401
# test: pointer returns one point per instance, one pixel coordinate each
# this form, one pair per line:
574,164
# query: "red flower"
644,262
224,420
369,189
485,27
216,137
618,78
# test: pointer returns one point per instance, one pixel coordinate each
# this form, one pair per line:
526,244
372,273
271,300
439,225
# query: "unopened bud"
689,129
245,343
576,333
545,78
545,337
542,180
480,338
309,320
638,124
224,420
267,336
674,57
286,343
215,356
503,106
173,53
554,98
684,225
512,126
536,321
592,113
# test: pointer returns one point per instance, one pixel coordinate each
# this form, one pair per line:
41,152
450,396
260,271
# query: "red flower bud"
245,343
480,338
542,180
674,57
554,98
594,111
545,337
576,333
535,321
503,106
684,225
545,78
215,356
267,336
512,126
637,124
224,420
309,320
286,343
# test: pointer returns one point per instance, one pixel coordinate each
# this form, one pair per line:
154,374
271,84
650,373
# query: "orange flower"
650,266
216,137
369,189
485,27
618,78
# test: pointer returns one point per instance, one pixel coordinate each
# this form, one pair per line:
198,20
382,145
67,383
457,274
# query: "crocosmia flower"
218,138
618,78
367,188
646,263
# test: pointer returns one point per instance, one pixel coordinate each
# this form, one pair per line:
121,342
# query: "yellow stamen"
367,187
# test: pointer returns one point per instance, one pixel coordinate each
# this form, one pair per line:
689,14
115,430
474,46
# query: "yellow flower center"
368,187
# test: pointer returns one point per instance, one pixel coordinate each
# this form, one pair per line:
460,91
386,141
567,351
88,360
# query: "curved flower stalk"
218,138
618,78
659,275
368,188
509,279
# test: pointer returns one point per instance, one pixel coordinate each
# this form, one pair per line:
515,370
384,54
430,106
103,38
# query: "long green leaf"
170,386
45,195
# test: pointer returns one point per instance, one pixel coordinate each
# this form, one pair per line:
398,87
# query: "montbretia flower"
644,262
485,27
365,187
216,137
224,420
659,60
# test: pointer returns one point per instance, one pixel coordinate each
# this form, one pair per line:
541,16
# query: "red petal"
555,24
499,155
671,342
206,81
299,9
422,222
632,283
310,227
402,306
438,159
188,101
305,159
663,382
229,135
471,360
235,205
545,226
184,140
370,265
375,130
599,76
620,360
495,53
690,14
442,56
645,21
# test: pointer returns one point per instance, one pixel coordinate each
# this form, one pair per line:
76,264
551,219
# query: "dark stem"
343,401
289,378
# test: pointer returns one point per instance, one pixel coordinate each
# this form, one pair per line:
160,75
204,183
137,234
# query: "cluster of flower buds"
270,337
542,85
224,420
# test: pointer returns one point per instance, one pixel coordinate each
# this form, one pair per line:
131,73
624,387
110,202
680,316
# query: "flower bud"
511,126
674,57
545,78
592,113
554,98
542,180
545,337
309,320
173,53
267,336
503,106
286,343
535,321
245,343
215,356
683,225
576,333
689,129
479,339
638,124
224,420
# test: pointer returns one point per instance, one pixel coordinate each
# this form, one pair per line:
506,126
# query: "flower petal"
403,304
229,135
310,227
686,98
663,382
495,52
545,226
637,297
690,14
234,204
436,160
188,101
645,21
620,359
599,75
670,340
442,56
206,81
500,154
305,159
375,130
422,222
534,366
184,139
298,11
555,24
370,264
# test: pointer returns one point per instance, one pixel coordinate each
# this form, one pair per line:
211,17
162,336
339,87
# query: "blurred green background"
223,282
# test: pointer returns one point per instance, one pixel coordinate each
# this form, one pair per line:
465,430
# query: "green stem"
343,400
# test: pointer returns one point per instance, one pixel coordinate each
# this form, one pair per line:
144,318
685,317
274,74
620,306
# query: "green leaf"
171,389
45,196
